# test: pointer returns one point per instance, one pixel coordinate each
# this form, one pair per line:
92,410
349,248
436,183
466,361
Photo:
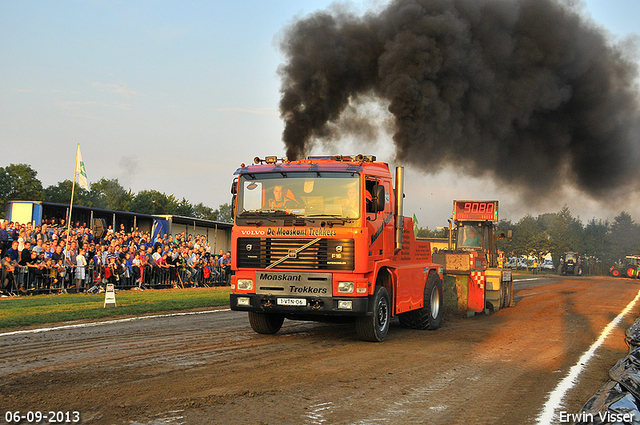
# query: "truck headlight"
244,301
245,284
346,287
345,305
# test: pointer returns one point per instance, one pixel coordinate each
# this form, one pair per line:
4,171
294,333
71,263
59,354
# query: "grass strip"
29,311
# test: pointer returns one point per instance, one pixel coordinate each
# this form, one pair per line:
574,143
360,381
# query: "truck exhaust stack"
399,208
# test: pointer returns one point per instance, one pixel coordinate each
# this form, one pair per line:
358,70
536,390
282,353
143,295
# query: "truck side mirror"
233,207
234,187
378,198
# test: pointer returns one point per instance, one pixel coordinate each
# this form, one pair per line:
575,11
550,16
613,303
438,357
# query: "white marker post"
110,296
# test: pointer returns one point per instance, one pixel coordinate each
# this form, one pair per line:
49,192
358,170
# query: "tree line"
600,243
20,182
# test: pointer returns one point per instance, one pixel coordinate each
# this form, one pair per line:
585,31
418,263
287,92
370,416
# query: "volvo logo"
249,247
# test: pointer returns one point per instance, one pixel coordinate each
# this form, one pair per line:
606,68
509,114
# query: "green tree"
154,202
425,232
596,238
596,246
61,193
24,183
624,237
546,220
529,237
5,189
19,182
566,233
184,208
109,194
224,213
204,212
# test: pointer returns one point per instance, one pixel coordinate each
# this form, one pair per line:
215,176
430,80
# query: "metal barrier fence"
34,280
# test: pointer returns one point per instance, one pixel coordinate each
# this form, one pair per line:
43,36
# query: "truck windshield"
299,194
471,236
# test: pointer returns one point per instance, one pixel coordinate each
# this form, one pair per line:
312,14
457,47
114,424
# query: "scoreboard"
475,210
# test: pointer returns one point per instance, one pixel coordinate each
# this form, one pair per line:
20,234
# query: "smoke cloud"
527,92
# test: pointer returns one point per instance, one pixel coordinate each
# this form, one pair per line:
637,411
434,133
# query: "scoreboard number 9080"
475,210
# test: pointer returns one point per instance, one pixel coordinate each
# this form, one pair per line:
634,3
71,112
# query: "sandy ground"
212,368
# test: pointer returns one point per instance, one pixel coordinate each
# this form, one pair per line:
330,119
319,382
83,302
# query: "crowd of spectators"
51,258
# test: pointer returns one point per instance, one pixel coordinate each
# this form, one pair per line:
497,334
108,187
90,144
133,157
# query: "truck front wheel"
375,327
265,323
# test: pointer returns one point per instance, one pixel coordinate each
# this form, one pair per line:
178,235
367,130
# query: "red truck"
324,238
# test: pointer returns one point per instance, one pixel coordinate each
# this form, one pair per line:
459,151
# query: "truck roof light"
270,160
345,158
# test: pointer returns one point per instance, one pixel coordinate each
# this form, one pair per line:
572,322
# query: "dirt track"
212,368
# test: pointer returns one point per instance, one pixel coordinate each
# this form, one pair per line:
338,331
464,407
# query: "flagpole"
73,186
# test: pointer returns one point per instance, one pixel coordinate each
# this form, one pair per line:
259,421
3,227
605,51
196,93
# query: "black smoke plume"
528,92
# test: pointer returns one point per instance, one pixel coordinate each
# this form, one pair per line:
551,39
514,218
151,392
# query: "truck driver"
280,200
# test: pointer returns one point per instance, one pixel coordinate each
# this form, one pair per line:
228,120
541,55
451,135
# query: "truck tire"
428,317
375,327
577,271
615,272
630,272
265,323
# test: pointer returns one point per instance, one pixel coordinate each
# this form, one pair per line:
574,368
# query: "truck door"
389,236
375,223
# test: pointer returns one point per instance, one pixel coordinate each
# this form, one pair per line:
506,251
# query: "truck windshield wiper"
270,215
262,213
328,217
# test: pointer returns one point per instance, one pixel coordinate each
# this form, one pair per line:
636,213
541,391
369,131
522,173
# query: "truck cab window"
369,187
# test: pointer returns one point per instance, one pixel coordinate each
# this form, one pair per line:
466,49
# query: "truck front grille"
325,254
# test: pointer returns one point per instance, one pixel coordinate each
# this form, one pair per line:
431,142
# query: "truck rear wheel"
428,317
375,327
265,323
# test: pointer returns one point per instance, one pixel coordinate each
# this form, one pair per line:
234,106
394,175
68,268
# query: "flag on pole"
81,172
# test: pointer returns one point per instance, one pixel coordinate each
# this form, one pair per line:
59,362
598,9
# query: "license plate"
298,302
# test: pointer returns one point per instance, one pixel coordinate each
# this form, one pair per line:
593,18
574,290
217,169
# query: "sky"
174,96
